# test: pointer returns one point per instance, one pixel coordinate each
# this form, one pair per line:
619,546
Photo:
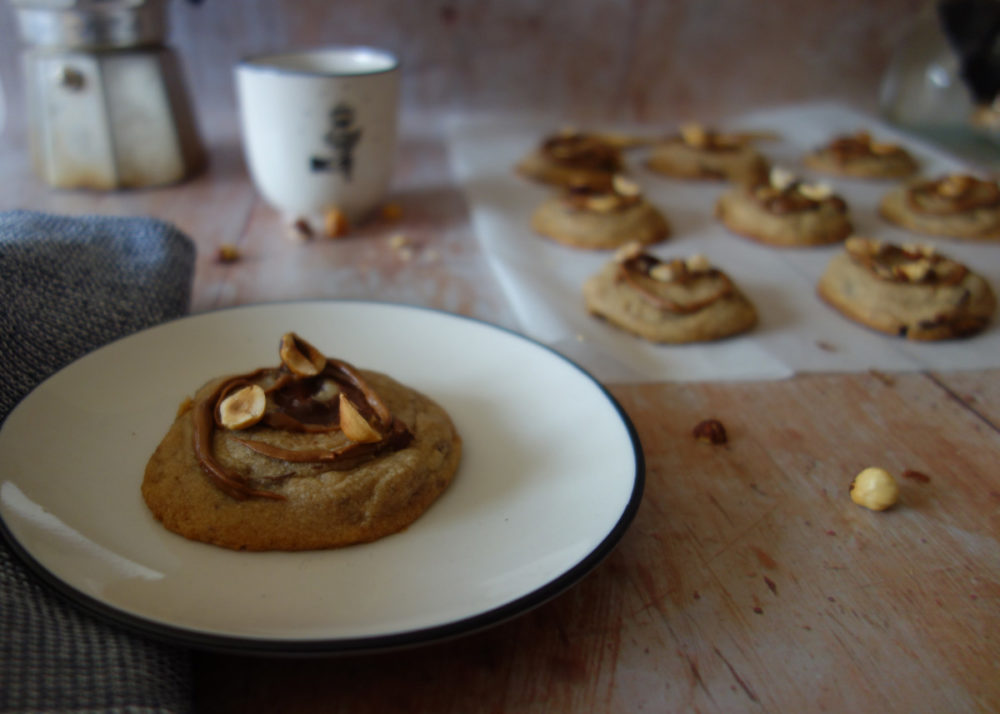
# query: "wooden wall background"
624,60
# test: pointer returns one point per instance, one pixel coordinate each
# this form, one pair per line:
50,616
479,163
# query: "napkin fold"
69,285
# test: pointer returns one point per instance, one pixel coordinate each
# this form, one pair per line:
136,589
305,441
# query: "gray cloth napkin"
68,286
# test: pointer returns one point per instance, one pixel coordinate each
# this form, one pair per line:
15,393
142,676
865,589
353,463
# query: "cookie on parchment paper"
908,291
697,152
859,156
675,301
601,218
952,206
572,158
785,212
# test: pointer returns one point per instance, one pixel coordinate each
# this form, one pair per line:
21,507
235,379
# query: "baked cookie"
785,212
700,153
954,206
910,291
858,156
310,454
588,217
673,302
573,158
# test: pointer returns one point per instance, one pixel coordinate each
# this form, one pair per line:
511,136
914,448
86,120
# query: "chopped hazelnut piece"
781,178
227,253
300,357
327,391
925,249
662,272
354,425
816,191
335,223
874,488
243,408
915,272
954,185
624,186
861,246
602,203
698,264
710,431
694,135
628,251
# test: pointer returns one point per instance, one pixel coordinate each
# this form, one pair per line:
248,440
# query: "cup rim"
266,61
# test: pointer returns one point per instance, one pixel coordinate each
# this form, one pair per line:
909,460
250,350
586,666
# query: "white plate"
551,476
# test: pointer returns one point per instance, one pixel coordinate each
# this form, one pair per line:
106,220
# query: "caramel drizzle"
640,266
205,413
927,196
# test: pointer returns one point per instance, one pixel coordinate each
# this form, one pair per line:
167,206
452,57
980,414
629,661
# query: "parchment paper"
797,331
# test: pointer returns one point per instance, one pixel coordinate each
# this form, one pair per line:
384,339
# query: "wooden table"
748,581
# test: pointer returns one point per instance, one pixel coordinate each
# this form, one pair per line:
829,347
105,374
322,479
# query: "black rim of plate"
354,645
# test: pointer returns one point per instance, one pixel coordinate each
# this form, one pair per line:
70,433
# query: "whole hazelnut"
874,488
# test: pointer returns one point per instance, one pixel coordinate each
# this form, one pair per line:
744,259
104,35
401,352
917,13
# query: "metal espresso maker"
107,106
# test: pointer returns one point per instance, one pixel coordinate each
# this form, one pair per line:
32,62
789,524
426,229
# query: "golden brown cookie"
677,301
953,206
859,156
701,153
785,212
587,217
311,454
572,158
910,291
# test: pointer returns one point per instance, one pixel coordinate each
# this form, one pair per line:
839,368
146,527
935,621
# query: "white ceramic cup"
319,128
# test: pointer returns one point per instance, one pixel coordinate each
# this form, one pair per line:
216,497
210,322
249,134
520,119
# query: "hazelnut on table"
874,488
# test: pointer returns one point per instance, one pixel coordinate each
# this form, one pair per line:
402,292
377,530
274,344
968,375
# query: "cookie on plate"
859,156
953,206
785,211
697,152
601,218
572,158
312,453
676,301
909,291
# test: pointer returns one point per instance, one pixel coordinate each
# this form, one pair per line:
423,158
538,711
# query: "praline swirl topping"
705,139
784,193
860,145
916,264
582,151
954,193
621,194
307,394
679,286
